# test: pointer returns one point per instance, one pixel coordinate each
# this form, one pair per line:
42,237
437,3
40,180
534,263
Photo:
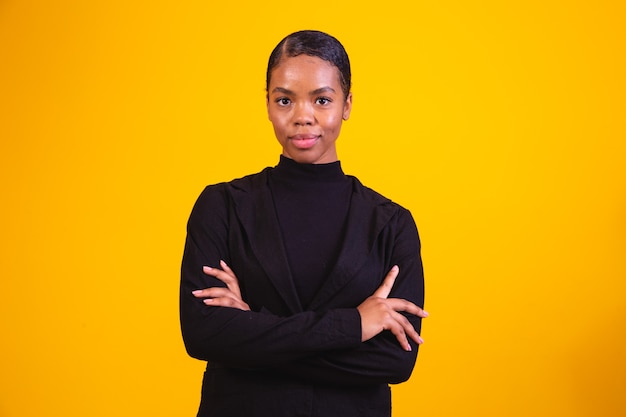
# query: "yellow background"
500,125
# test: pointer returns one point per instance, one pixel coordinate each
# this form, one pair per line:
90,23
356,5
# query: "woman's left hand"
220,296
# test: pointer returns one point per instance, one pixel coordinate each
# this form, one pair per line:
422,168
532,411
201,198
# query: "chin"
303,159
310,156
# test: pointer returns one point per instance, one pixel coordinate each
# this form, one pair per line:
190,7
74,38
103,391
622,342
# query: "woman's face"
305,103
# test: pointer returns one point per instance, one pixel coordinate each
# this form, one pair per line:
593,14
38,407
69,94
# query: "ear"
267,104
347,107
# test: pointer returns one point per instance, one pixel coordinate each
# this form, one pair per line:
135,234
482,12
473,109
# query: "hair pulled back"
313,43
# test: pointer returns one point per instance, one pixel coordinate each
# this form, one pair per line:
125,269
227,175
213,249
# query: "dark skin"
307,107
378,312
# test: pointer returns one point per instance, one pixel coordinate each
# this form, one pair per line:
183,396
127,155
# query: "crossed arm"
378,312
347,346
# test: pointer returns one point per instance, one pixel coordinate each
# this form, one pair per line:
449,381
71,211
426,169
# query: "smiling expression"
307,107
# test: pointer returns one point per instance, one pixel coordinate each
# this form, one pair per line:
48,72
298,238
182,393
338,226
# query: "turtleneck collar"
289,169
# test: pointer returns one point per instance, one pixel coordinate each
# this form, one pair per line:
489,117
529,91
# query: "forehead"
305,70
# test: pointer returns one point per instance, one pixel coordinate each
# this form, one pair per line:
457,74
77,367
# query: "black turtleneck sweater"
311,202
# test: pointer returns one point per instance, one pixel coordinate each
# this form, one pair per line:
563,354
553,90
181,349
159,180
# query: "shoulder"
379,211
217,198
250,182
374,197
247,183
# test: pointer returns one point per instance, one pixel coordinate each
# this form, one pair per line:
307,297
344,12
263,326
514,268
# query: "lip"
304,140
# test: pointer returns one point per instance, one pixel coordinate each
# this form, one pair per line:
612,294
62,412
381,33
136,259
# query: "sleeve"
245,338
380,359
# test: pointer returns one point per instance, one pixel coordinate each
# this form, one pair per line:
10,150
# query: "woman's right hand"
380,313
230,296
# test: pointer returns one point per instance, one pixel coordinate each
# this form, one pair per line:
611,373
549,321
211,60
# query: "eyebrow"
312,93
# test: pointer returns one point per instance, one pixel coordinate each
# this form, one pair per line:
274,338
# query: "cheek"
275,121
279,126
333,122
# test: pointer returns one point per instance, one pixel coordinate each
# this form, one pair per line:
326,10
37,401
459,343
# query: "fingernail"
206,268
420,340
196,292
425,313
208,301
395,267
408,347
222,262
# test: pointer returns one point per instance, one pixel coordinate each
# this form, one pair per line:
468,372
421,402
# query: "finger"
399,304
403,330
227,302
226,276
397,331
220,296
408,328
226,268
385,288
233,283
223,276
201,293
213,292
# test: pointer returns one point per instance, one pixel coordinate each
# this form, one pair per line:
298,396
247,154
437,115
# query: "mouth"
304,141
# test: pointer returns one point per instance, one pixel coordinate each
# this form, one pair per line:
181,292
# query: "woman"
301,287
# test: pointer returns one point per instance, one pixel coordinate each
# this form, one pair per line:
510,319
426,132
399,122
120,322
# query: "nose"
303,114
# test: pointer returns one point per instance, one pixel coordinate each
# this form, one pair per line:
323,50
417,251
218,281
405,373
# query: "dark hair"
313,43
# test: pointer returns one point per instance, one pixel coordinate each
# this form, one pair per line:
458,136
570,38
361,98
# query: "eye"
323,101
283,101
